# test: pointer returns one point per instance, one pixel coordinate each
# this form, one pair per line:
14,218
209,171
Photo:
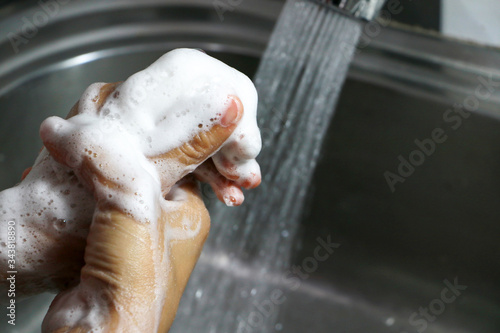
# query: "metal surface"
361,9
396,249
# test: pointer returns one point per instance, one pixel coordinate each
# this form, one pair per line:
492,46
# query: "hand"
136,266
58,256
131,287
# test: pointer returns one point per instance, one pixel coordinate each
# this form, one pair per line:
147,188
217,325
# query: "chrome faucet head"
361,9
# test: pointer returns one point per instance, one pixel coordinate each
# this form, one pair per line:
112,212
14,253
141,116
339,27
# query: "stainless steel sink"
420,256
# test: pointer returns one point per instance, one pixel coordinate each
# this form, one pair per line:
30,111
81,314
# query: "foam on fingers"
111,132
226,190
51,132
244,173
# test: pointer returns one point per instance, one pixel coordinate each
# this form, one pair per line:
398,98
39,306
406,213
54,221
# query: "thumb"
55,132
206,143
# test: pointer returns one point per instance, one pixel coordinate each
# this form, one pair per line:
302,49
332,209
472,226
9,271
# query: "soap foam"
190,86
155,110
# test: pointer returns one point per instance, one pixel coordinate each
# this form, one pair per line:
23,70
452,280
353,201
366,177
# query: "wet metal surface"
420,255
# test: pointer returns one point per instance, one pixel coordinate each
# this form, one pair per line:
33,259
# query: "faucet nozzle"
361,9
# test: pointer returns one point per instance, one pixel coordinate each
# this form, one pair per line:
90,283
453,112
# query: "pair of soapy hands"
120,289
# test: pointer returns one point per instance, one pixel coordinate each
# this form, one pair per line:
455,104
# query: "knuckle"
198,148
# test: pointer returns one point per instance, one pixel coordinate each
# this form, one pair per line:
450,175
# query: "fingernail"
232,113
229,200
252,182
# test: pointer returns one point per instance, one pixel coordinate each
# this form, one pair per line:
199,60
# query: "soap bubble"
59,224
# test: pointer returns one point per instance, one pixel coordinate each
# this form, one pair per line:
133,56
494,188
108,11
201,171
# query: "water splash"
299,81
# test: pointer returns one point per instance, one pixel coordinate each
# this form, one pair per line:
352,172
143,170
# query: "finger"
119,274
185,190
74,110
26,172
48,129
97,100
245,174
73,148
53,132
105,91
206,143
188,234
226,190
185,199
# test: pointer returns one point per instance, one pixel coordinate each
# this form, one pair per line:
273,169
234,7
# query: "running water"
299,81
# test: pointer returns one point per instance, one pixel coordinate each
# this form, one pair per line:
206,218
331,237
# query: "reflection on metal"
397,249
362,9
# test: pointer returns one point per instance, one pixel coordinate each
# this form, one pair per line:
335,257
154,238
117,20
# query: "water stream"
299,81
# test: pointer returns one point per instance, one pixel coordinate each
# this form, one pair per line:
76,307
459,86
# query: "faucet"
360,9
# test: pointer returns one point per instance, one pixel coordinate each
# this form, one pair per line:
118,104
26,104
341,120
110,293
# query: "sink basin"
407,188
